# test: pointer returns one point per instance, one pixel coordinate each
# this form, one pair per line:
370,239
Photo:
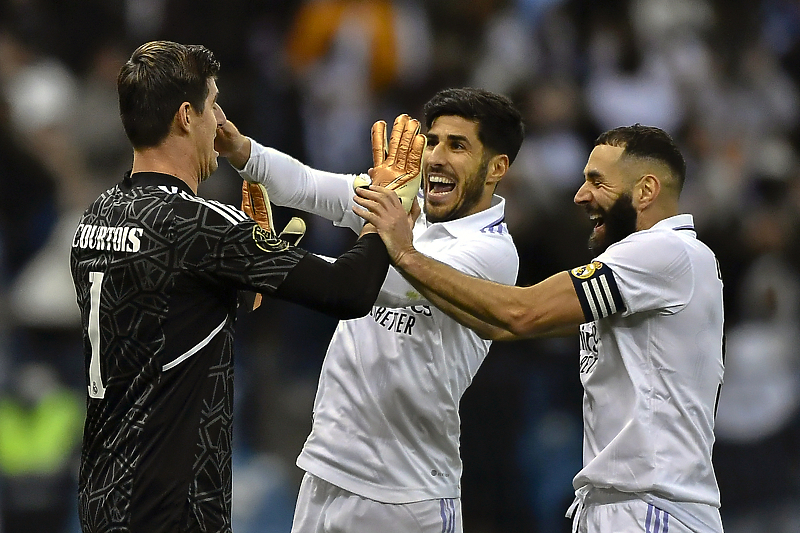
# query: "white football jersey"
651,366
386,423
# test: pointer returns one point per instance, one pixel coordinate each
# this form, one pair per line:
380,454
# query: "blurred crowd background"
309,78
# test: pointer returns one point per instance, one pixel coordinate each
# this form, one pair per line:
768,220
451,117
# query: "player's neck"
650,217
166,159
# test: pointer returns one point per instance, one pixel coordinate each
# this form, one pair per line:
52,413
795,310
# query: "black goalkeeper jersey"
157,269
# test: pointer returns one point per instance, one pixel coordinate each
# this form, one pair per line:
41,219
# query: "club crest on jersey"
267,241
586,271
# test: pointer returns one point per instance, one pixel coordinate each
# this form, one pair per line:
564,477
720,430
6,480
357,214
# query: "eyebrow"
593,174
450,137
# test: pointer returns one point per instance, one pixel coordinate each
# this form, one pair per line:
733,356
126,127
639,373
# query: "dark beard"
619,221
473,191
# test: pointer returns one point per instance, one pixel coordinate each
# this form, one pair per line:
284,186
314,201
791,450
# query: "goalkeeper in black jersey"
157,270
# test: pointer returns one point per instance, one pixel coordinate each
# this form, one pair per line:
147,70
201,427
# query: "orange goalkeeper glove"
397,165
255,204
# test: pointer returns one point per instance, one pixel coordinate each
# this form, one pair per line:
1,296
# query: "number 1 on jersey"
96,387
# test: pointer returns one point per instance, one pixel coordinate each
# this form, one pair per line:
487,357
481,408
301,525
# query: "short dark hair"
647,142
500,126
155,81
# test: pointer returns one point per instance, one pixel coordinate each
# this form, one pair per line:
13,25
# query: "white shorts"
629,516
325,508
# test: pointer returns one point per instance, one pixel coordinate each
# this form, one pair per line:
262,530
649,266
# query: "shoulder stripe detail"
597,291
218,208
181,358
498,226
684,228
234,212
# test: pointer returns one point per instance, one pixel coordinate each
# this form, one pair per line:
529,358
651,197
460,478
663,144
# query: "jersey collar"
486,220
151,179
683,222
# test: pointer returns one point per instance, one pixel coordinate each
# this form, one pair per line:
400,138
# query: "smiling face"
455,170
606,194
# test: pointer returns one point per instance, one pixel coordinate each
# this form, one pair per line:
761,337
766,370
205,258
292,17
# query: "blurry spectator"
626,84
25,219
551,156
42,96
40,428
98,131
758,423
344,53
509,57
144,19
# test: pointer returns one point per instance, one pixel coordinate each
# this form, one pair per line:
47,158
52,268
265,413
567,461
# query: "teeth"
440,179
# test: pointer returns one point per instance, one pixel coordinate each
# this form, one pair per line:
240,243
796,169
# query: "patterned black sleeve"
597,290
344,289
232,249
242,254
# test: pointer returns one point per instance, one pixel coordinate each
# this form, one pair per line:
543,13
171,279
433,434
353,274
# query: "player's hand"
382,208
231,144
397,164
255,204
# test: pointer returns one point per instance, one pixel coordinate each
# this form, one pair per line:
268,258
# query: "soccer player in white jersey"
649,311
383,453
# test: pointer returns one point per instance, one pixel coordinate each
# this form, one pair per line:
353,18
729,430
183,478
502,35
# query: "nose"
434,155
582,196
220,114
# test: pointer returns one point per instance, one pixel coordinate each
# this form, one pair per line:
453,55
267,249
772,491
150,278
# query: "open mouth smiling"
440,185
597,220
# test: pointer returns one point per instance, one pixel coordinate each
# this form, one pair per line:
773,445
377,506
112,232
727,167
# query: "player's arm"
484,329
547,308
289,182
328,286
345,288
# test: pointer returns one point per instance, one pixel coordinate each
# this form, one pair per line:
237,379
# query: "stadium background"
309,78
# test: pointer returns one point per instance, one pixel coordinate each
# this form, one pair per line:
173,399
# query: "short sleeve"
652,270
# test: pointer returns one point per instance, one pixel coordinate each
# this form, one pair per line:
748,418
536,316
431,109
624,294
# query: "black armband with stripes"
597,290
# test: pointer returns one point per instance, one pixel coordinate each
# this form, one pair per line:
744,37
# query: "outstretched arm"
547,308
289,182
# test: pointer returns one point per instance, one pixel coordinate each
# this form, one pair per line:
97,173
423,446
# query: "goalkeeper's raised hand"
397,165
256,205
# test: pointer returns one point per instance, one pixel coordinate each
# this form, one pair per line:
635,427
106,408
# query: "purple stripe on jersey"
444,516
496,226
666,522
657,525
647,520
